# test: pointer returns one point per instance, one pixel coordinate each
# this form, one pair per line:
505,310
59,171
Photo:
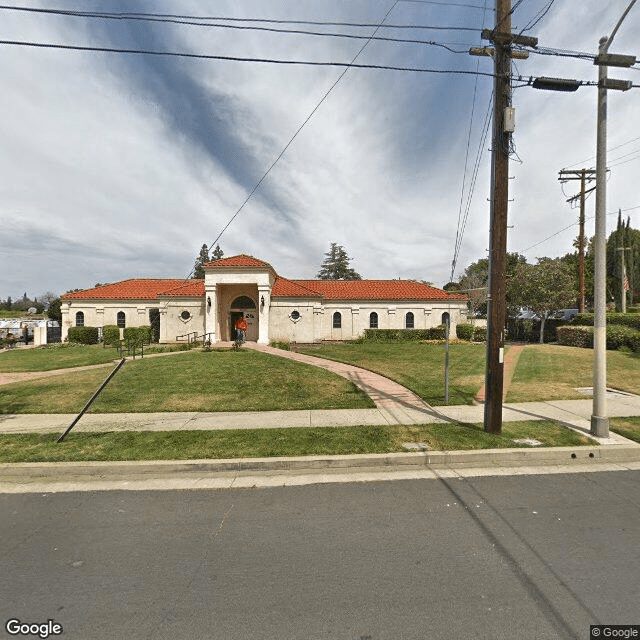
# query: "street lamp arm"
615,30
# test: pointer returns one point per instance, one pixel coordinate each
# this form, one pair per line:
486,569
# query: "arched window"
80,319
243,302
337,320
446,321
120,319
373,320
409,321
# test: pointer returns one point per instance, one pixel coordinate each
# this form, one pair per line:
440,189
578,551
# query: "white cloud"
119,166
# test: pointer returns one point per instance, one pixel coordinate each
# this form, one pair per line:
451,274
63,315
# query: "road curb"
147,469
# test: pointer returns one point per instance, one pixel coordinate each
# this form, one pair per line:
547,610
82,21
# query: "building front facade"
275,308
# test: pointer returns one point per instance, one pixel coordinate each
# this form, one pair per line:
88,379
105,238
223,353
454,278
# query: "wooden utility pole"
581,175
503,126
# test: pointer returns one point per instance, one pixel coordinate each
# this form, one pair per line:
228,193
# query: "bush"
83,335
528,330
390,335
480,334
110,334
280,344
618,337
465,331
137,335
626,319
579,336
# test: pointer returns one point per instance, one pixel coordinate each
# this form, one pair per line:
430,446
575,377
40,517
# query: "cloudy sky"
119,165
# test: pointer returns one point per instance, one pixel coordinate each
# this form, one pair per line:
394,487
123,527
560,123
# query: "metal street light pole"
599,417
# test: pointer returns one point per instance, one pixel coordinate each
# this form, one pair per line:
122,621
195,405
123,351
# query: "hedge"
110,334
137,335
465,331
83,335
480,334
528,330
389,335
626,319
575,336
618,336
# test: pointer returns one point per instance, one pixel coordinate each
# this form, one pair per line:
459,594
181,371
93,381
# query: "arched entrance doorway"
244,306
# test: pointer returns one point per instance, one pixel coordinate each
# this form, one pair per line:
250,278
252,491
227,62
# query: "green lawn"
262,443
193,381
552,372
55,356
627,427
417,366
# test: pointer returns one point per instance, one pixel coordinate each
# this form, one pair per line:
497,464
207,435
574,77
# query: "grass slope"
418,366
55,356
262,443
192,381
552,372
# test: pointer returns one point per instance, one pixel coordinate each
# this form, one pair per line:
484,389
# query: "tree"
54,312
542,287
217,253
201,260
475,279
623,236
335,266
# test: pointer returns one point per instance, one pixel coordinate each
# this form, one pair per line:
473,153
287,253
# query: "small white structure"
275,308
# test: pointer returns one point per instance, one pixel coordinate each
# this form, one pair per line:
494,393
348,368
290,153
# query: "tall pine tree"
335,266
201,260
217,253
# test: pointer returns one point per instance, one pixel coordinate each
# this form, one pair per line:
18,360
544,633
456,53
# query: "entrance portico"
241,284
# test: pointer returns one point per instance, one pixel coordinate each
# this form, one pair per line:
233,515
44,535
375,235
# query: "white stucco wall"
172,324
316,320
101,313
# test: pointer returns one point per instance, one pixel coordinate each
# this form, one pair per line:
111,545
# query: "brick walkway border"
510,362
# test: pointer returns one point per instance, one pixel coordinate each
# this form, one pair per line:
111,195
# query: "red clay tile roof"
241,260
365,290
140,289
283,288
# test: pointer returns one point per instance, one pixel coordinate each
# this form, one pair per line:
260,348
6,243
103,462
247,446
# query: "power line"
573,224
47,45
295,135
541,14
608,151
460,228
187,19
448,4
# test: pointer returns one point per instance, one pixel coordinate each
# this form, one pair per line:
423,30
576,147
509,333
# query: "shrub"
110,334
480,334
389,335
528,330
137,335
465,331
626,319
578,336
83,335
619,336
280,344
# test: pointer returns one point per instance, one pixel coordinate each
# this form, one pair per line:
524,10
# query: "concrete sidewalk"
572,413
395,405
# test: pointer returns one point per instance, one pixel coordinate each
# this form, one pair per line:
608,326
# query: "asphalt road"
495,557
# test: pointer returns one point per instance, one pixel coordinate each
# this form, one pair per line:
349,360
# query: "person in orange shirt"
241,328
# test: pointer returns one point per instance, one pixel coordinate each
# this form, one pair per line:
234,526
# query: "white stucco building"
276,308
